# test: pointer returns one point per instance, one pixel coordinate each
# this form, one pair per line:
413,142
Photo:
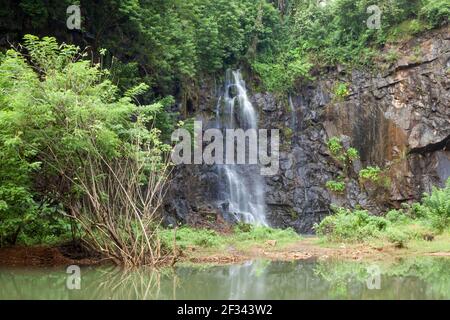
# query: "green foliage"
243,227
186,236
435,207
341,90
339,153
259,233
352,154
335,146
335,186
435,12
173,42
280,77
405,30
397,216
392,56
337,34
397,237
372,174
345,225
243,234
344,157
418,221
288,133
55,115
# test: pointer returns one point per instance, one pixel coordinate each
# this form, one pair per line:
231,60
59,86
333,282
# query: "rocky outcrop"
398,119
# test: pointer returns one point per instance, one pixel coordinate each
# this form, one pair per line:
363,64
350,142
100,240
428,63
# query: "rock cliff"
397,117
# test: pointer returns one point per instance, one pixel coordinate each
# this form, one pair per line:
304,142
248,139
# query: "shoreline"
315,248
303,249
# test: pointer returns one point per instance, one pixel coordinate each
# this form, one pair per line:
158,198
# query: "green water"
425,278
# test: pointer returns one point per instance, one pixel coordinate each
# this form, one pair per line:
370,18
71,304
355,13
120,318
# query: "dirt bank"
308,248
44,256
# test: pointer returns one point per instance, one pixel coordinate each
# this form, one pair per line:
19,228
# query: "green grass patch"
243,235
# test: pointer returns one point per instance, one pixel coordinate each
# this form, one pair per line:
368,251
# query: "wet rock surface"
398,119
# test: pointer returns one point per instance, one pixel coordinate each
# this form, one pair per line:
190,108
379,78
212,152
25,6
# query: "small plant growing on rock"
344,157
335,146
372,174
288,133
341,91
335,186
352,154
392,56
339,153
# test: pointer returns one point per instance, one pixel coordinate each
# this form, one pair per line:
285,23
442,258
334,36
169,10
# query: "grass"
243,236
406,30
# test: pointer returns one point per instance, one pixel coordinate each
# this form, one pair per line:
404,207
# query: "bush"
405,30
281,76
397,237
345,225
67,140
397,216
436,12
435,207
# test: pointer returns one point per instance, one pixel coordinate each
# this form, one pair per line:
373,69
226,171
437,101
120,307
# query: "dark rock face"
399,120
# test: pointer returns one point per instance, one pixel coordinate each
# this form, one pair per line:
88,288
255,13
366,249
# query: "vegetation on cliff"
84,132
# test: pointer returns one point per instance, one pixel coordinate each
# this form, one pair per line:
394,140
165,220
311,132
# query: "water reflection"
425,278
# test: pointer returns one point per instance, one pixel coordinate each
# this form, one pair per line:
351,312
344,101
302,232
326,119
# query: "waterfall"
244,190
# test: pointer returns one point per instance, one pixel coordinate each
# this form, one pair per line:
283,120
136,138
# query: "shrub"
405,30
397,216
280,77
339,153
436,12
345,225
436,207
71,138
243,227
397,237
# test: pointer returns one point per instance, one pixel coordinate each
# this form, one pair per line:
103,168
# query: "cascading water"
244,190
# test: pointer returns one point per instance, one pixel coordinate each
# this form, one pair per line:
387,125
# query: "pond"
424,278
